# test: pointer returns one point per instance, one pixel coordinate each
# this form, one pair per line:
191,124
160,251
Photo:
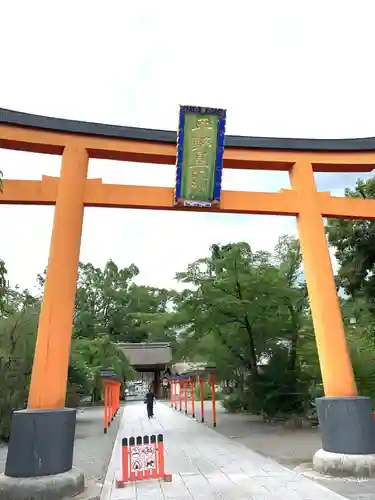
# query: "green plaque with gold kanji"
200,155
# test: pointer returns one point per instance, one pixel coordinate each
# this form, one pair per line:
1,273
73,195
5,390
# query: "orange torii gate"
76,142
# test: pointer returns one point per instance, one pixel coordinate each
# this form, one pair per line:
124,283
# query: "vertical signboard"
200,148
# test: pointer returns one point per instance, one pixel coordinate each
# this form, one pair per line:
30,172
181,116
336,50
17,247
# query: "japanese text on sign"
199,156
201,141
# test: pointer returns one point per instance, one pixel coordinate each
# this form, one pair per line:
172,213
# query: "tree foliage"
354,244
245,311
109,302
248,313
89,356
17,340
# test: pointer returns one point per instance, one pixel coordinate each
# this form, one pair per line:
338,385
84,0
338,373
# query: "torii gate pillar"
42,436
346,422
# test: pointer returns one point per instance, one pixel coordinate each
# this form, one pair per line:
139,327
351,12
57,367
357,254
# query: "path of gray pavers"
291,448
205,465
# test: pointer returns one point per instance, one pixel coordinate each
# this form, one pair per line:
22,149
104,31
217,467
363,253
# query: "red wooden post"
110,416
118,396
125,460
105,395
212,382
139,474
154,472
185,390
202,400
132,474
114,387
115,399
110,402
179,384
193,397
160,460
147,472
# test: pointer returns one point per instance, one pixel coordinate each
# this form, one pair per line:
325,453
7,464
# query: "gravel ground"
93,448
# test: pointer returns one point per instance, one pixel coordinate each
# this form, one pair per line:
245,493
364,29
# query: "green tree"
3,287
102,301
17,342
153,311
288,258
354,244
245,311
360,334
88,356
109,302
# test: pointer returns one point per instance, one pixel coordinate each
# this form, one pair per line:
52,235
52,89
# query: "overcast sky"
290,68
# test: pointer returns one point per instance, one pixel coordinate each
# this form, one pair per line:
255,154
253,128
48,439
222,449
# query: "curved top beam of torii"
40,134
16,118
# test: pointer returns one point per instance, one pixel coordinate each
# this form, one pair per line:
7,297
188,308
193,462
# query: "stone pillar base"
347,430
41,443
52,487
344,465
347,425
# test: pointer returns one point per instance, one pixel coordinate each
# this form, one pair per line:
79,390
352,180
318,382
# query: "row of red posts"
112,396
180,388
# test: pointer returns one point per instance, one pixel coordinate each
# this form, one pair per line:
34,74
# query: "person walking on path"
149,401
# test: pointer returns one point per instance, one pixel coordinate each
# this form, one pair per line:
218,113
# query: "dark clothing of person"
150,410
149,400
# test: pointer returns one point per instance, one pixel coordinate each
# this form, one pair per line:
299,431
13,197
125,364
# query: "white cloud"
286,68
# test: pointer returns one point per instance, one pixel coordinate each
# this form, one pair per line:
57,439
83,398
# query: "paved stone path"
292,448
205,465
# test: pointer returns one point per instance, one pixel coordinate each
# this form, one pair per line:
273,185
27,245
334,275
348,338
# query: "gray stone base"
344,465
347,425
53,487
41,442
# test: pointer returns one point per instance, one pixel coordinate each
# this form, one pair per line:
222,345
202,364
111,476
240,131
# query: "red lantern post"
200,380
185,393
180,387
212,381
175,395
106,412
192,382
